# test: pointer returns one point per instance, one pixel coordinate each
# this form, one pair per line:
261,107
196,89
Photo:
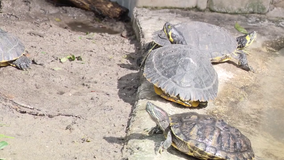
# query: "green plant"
3,144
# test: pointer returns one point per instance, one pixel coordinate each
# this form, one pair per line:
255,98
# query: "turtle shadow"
115,140
156,138
132,57
127,87
129,83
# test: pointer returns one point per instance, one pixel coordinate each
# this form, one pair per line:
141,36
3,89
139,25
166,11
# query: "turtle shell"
183,72
11,47
217,41
205,137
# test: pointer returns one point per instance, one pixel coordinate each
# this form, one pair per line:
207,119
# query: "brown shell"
205,137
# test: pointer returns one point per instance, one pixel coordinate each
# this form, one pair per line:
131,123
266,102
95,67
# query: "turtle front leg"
151,46
167,143
22,62
242,60
155,130
221,59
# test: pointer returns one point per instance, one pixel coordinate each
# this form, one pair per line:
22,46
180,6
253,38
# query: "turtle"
201,136
12,51
220,44
182,74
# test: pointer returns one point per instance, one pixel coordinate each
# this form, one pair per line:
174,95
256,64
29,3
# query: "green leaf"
4,136
240,28
3,144
64,59
56,68
57,19
71,57
79,58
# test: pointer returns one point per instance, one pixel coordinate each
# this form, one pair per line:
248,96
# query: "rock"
167,3
279,4
241,6
276,12
201,4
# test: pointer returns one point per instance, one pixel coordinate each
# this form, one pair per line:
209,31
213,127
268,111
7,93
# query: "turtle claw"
248,68
155,130
161,148
22,63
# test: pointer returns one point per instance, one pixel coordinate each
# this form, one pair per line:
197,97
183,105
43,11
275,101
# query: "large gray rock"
167,3
241,97
241,6
201,4
276,12
279,4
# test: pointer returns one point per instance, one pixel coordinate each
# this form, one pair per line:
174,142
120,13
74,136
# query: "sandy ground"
69,110
81,109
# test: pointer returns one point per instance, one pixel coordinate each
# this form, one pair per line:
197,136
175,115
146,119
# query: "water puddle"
87,28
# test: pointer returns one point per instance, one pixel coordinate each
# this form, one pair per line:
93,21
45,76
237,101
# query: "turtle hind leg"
155,130
22,63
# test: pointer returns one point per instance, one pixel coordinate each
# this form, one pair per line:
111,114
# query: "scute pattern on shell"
11,47
180,70
207,137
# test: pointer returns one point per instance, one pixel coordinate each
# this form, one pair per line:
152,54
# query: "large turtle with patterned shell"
12,51
217,41
182,74
200,136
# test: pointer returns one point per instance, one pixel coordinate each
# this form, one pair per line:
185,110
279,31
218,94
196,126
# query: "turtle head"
158,115
246,40
173,34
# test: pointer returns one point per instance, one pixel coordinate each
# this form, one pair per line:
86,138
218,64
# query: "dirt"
67,110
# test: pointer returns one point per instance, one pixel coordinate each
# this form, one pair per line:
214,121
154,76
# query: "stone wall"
273,8
240,6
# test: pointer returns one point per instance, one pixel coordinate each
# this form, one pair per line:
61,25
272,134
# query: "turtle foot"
22,63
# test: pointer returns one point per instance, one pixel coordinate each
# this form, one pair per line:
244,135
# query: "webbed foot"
243,63
22,63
